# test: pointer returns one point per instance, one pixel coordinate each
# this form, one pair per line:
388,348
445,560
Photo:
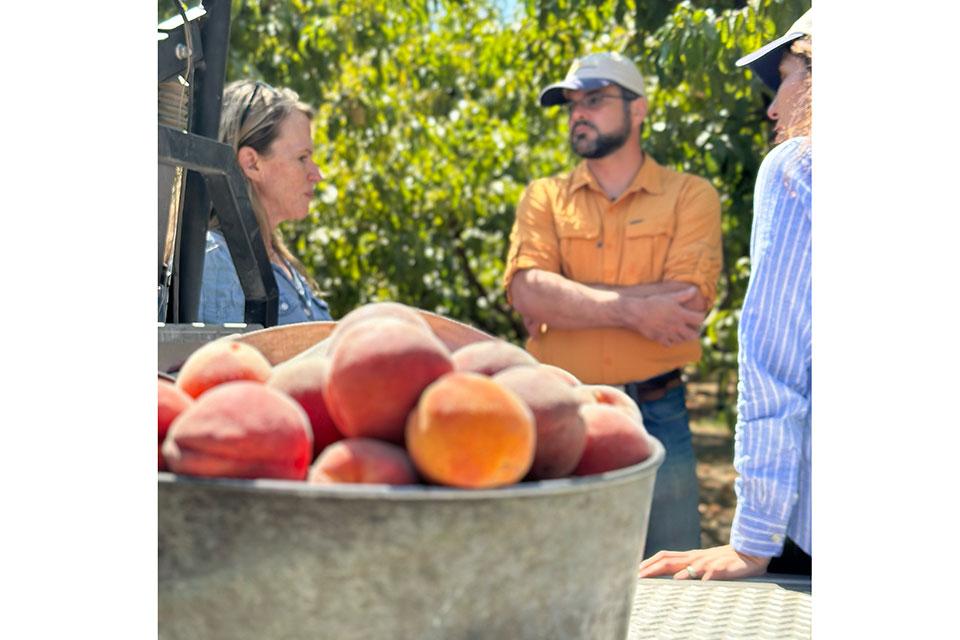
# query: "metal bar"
211,72
195,152
189,251
207,95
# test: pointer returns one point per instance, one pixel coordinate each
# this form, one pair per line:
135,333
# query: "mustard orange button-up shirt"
665,226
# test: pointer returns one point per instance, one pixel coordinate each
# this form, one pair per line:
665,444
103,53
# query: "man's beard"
603,145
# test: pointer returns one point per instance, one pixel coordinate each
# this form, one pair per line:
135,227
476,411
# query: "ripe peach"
365,461
171,402
376,310
561,432
378,370
470,431
304,380
321,349
614,440
490,356
221,361
605,394
241,429
563,374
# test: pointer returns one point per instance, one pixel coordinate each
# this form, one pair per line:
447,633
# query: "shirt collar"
648,178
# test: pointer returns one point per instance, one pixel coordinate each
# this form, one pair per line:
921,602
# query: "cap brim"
765,61
553,95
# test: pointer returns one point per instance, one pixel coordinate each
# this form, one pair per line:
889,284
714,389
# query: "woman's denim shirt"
221,296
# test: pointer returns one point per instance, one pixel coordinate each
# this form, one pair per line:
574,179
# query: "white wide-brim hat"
765,61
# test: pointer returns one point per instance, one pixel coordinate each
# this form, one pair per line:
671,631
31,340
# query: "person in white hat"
613,267
772,526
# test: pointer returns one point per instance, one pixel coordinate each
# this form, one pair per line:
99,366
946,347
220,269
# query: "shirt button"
284,306
777,538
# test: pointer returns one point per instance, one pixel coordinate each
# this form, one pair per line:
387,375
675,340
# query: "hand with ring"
716,563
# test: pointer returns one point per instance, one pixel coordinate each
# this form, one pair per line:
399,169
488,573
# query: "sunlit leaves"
428,128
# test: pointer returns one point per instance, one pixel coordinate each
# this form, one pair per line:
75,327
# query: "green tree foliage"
428,129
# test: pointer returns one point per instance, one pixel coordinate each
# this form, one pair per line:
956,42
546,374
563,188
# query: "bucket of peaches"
396,474
389,395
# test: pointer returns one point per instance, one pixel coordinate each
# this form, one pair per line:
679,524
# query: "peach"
490,356
241,429
614,440
221,361
171,402
304,380
561,432
469,431
606,394
378,370
321,349
563,374
365,461
376,310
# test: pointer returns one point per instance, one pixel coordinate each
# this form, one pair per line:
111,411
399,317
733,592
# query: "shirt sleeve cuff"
757,534
697,279
700,268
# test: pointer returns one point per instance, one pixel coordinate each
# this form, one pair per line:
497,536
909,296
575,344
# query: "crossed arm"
667,312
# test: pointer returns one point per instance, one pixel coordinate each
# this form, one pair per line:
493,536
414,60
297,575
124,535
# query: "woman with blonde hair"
771,529
270,131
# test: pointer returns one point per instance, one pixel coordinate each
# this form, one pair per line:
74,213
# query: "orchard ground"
713,445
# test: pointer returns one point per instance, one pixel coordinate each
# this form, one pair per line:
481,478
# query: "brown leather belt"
656,387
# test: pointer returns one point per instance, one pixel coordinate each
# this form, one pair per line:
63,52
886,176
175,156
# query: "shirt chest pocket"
645,247
580,247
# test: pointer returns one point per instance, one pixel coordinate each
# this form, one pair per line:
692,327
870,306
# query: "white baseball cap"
595,71
765,61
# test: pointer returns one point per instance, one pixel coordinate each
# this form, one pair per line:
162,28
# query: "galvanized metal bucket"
269,560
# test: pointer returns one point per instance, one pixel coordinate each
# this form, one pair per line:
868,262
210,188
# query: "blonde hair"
250,116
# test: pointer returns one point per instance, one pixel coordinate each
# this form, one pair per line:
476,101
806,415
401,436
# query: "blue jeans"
674,518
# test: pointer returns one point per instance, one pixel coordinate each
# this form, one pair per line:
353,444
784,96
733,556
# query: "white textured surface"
694,610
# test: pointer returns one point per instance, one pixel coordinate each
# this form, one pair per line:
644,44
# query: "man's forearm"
697,303
658,312
543,296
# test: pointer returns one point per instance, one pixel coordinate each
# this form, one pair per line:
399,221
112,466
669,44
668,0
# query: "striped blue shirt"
772,445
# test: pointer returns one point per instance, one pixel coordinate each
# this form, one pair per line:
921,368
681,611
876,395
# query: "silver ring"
692,572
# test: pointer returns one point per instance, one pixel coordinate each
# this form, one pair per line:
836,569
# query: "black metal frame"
212,176
169,64
217,164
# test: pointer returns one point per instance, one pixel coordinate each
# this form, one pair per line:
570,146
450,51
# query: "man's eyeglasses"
590,102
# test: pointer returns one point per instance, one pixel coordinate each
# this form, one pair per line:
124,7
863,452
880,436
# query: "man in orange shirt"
613,267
